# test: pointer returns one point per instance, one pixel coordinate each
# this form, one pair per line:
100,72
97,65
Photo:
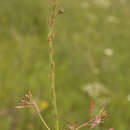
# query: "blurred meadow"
92,54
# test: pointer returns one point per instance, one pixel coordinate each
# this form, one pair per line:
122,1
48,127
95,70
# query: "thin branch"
43,121
51,55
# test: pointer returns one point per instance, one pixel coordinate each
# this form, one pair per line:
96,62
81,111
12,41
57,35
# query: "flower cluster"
103,114
93,121
27,101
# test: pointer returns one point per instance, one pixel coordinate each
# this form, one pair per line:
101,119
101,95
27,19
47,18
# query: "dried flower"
27,101
60,10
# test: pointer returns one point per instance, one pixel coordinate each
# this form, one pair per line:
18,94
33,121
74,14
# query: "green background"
82,34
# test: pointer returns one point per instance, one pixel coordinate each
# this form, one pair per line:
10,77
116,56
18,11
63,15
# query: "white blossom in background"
97,91
112,19
108,52
128,97
123,1
103,3
85,5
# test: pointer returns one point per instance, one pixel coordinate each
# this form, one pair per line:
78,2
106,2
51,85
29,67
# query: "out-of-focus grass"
83,33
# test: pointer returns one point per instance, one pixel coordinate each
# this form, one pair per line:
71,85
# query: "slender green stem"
36,108
52,62
79,127
40,116
84,124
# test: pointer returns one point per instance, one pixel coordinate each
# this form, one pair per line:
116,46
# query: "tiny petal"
19,107
96,122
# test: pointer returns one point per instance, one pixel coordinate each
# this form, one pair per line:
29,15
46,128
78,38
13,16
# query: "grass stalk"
51,23
36,108
43,121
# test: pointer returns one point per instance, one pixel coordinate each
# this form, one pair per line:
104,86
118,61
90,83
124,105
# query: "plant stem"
84,124
36,108
40,116
52,62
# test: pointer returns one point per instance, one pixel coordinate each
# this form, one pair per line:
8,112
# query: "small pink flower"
96,122
111,129
103,114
